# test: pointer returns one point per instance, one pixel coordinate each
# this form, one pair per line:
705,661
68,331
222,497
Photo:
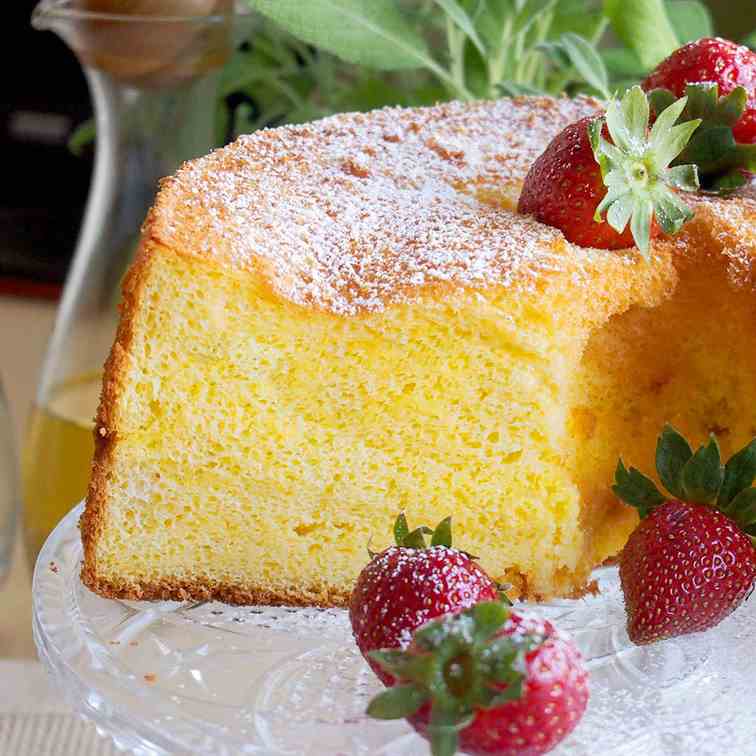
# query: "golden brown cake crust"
354,213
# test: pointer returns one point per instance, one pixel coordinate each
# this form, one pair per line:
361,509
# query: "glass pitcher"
152,67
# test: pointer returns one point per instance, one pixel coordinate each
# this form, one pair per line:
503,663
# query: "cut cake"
330,323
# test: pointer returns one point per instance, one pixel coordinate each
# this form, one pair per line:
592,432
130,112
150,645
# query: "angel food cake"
329,323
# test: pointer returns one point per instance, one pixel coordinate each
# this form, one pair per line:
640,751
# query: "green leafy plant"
306,60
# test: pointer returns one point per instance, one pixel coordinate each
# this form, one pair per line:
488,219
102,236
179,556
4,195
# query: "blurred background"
158,91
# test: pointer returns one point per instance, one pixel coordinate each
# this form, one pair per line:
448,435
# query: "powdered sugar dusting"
357,211
732,222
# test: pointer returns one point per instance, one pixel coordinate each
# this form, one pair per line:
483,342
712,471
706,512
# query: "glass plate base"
161,678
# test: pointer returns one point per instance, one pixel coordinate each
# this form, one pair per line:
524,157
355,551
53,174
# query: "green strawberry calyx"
722,162
698,477
636,166
458,664
415,539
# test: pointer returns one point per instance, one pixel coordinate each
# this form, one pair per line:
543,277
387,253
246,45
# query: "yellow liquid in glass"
58,457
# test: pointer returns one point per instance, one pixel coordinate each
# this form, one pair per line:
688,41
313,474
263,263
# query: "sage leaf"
457,14
587,61
620,61
643,25
690,19
372,33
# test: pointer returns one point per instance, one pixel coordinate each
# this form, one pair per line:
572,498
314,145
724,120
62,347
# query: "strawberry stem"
697,477
635,166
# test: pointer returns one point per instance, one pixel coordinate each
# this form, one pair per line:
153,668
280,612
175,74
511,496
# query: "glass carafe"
152,68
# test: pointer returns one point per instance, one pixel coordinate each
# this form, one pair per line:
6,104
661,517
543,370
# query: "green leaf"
750,40
672,454
671,212
743,508
634,488
635,111
666,120
372,33
442,534
703,474
709,147
401,529
512,692
640,225
416,539
618,215
443,741
457,14
740,472
667,145
660,99
391,659
621,62
397,703
587,61
580,17
643,25
730,108
684,177
514,89
690,19
488,617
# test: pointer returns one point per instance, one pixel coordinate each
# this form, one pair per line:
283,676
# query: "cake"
330,323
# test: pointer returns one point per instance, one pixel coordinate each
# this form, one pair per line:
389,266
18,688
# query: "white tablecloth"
34,721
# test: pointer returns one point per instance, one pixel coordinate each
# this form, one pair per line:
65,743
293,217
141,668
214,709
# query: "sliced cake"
329,323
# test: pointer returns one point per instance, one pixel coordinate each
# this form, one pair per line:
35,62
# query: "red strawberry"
487,681
691,560
714,60
408,584
614,167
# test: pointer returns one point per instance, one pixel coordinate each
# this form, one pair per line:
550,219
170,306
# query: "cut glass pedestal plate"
214,679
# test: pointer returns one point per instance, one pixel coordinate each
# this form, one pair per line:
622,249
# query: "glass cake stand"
209,678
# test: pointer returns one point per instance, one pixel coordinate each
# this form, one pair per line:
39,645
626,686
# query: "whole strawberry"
714,60
614,166
486,681
408,584
691,560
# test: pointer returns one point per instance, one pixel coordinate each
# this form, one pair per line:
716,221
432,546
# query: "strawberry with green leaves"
410,583
723,162
719,62
691,561
609,181
487,681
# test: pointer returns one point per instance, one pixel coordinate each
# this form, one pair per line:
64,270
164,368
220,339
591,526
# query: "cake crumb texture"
331,323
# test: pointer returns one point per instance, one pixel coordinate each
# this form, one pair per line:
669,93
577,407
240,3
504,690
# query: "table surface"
25,326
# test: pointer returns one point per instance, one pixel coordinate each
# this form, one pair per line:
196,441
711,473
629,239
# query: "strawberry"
408,584
487,681
723,164
614,166
714,60
691,561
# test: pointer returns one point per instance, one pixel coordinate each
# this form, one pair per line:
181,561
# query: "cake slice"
329,323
